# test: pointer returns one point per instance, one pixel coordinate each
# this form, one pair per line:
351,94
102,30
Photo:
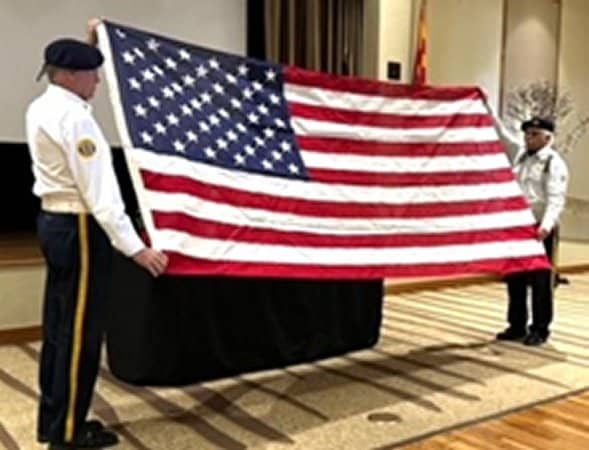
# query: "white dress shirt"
543,177
72,165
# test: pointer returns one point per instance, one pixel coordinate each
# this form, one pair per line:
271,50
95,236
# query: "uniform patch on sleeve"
86,147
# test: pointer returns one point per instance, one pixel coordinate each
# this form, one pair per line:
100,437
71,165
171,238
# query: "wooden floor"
559,425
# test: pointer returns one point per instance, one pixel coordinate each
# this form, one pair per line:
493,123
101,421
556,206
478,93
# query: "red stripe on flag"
376,148
183,265
311,79
225,195
411,179
216,230
327,114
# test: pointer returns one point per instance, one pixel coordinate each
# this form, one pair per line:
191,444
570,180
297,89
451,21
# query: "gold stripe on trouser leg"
78,325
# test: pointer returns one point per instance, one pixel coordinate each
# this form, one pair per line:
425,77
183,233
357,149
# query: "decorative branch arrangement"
542,99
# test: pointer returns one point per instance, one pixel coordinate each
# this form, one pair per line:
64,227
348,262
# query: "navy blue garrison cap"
71,54
538,122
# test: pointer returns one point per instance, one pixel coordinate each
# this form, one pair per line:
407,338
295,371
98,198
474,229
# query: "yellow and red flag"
420,67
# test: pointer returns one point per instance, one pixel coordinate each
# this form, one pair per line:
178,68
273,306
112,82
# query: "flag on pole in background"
247,168
420,63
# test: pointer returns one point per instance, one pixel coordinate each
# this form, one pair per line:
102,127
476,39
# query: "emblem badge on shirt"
86,147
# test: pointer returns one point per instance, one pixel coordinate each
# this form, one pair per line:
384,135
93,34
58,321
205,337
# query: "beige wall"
460,52
388,34
465,41
26,27
531,42
370,38
21,291
395,36
574,77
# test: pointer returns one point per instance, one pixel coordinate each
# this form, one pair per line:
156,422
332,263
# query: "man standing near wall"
543,176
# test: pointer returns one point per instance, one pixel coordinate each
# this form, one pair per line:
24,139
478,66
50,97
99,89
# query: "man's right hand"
153,261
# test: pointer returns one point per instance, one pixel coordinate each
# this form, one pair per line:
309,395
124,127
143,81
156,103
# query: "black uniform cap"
71,54
538,122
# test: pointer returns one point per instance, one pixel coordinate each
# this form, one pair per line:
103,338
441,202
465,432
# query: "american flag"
248,168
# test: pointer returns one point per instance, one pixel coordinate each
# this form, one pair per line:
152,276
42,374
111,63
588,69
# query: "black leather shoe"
511,334
95,425
534,339
88,438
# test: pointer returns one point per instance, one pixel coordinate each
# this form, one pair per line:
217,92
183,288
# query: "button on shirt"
543,177
72,165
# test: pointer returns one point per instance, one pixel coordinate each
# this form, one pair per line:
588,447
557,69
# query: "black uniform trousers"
78,256
542,286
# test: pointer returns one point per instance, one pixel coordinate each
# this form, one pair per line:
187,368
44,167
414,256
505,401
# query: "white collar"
55,89
543,153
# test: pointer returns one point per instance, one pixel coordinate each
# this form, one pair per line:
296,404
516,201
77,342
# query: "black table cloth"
180,330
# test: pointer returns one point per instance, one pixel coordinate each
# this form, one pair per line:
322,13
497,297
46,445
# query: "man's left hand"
91,34
543,233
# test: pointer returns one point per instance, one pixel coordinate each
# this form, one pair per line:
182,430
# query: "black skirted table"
182,330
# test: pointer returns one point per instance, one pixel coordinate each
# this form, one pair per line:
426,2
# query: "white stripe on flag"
399,164
384,105
311,127
227,250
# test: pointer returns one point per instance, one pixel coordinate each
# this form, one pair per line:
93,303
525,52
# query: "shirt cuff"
130,246
547,224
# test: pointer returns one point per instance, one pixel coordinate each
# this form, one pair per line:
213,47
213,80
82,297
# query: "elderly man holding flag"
543,177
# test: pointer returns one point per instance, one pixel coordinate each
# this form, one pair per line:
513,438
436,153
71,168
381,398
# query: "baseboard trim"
577,268
20,335
436,284
22,262
441,283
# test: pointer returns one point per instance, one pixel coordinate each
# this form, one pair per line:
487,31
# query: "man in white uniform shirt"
82,215
543,176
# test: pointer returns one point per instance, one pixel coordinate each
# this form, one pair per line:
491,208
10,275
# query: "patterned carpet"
436,366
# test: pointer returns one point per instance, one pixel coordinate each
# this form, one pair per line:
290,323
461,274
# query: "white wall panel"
27,25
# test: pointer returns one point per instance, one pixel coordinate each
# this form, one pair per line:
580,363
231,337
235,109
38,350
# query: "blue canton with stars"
204,105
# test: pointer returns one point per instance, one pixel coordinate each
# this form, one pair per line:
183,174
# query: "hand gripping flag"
247,168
